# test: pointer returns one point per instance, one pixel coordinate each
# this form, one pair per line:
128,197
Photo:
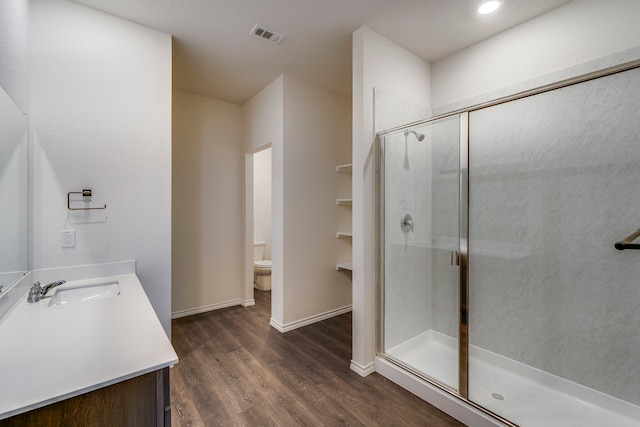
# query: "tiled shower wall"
445,183
553,185
408,190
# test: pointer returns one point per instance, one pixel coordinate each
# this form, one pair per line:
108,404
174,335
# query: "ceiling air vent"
265,33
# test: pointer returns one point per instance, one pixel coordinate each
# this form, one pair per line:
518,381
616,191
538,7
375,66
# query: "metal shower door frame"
462,252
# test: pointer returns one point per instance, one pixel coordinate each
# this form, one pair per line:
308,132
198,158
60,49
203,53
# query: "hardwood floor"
236,370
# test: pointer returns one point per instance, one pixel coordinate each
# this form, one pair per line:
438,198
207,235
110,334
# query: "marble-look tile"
407,291
421,178
445,225
554,183
407,254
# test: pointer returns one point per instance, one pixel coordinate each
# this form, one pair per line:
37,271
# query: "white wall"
262,117
308,129
262,199
377,63
576,32
262,124
208,204
101,119
317,129
14,53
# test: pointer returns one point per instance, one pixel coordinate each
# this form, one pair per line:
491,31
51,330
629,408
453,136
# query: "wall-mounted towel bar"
627,242
86,194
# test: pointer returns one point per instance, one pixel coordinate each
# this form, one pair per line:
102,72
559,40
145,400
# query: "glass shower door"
420,189
554,315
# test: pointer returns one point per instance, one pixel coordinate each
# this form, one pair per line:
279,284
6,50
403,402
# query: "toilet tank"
258,250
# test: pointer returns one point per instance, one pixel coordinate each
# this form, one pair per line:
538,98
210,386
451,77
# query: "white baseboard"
308,320
363,370
211,307
248,302
276,325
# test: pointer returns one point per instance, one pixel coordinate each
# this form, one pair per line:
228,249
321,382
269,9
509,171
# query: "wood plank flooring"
236,370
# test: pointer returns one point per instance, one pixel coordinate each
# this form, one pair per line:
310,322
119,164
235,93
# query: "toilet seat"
262,267
263,263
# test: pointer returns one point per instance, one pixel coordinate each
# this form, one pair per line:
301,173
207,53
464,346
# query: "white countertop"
51,353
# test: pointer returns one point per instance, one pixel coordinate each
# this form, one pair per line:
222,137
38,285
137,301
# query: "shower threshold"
522,394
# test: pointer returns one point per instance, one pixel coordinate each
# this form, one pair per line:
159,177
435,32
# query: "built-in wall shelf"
344,248
344,168
346,266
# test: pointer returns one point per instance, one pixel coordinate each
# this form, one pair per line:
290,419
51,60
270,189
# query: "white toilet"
261,268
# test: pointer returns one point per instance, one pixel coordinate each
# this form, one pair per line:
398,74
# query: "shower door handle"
455,258
627,242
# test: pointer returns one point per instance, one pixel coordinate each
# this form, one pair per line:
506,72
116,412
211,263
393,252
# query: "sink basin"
83,293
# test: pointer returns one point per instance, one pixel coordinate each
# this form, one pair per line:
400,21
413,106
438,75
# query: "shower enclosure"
499,280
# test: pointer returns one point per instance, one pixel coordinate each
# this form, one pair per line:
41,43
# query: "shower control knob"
406,223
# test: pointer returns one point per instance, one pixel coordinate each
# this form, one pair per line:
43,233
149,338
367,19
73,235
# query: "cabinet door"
140,401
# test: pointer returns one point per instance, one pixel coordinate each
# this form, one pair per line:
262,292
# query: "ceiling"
214,55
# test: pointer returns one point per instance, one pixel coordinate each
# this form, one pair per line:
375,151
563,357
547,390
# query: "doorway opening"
262,219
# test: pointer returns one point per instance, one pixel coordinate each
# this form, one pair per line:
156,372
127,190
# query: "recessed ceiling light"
488,7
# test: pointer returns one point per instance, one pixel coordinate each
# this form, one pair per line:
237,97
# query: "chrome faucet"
37,292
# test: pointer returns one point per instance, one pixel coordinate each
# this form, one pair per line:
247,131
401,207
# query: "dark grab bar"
627,242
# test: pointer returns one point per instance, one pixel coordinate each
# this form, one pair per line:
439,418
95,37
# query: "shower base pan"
524,395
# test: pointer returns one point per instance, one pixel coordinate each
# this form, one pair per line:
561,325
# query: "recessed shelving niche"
346,266
344,168
347,202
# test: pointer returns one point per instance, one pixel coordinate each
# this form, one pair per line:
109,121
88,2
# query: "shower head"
419,136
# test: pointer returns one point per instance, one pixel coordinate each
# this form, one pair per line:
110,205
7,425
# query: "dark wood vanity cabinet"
138,402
